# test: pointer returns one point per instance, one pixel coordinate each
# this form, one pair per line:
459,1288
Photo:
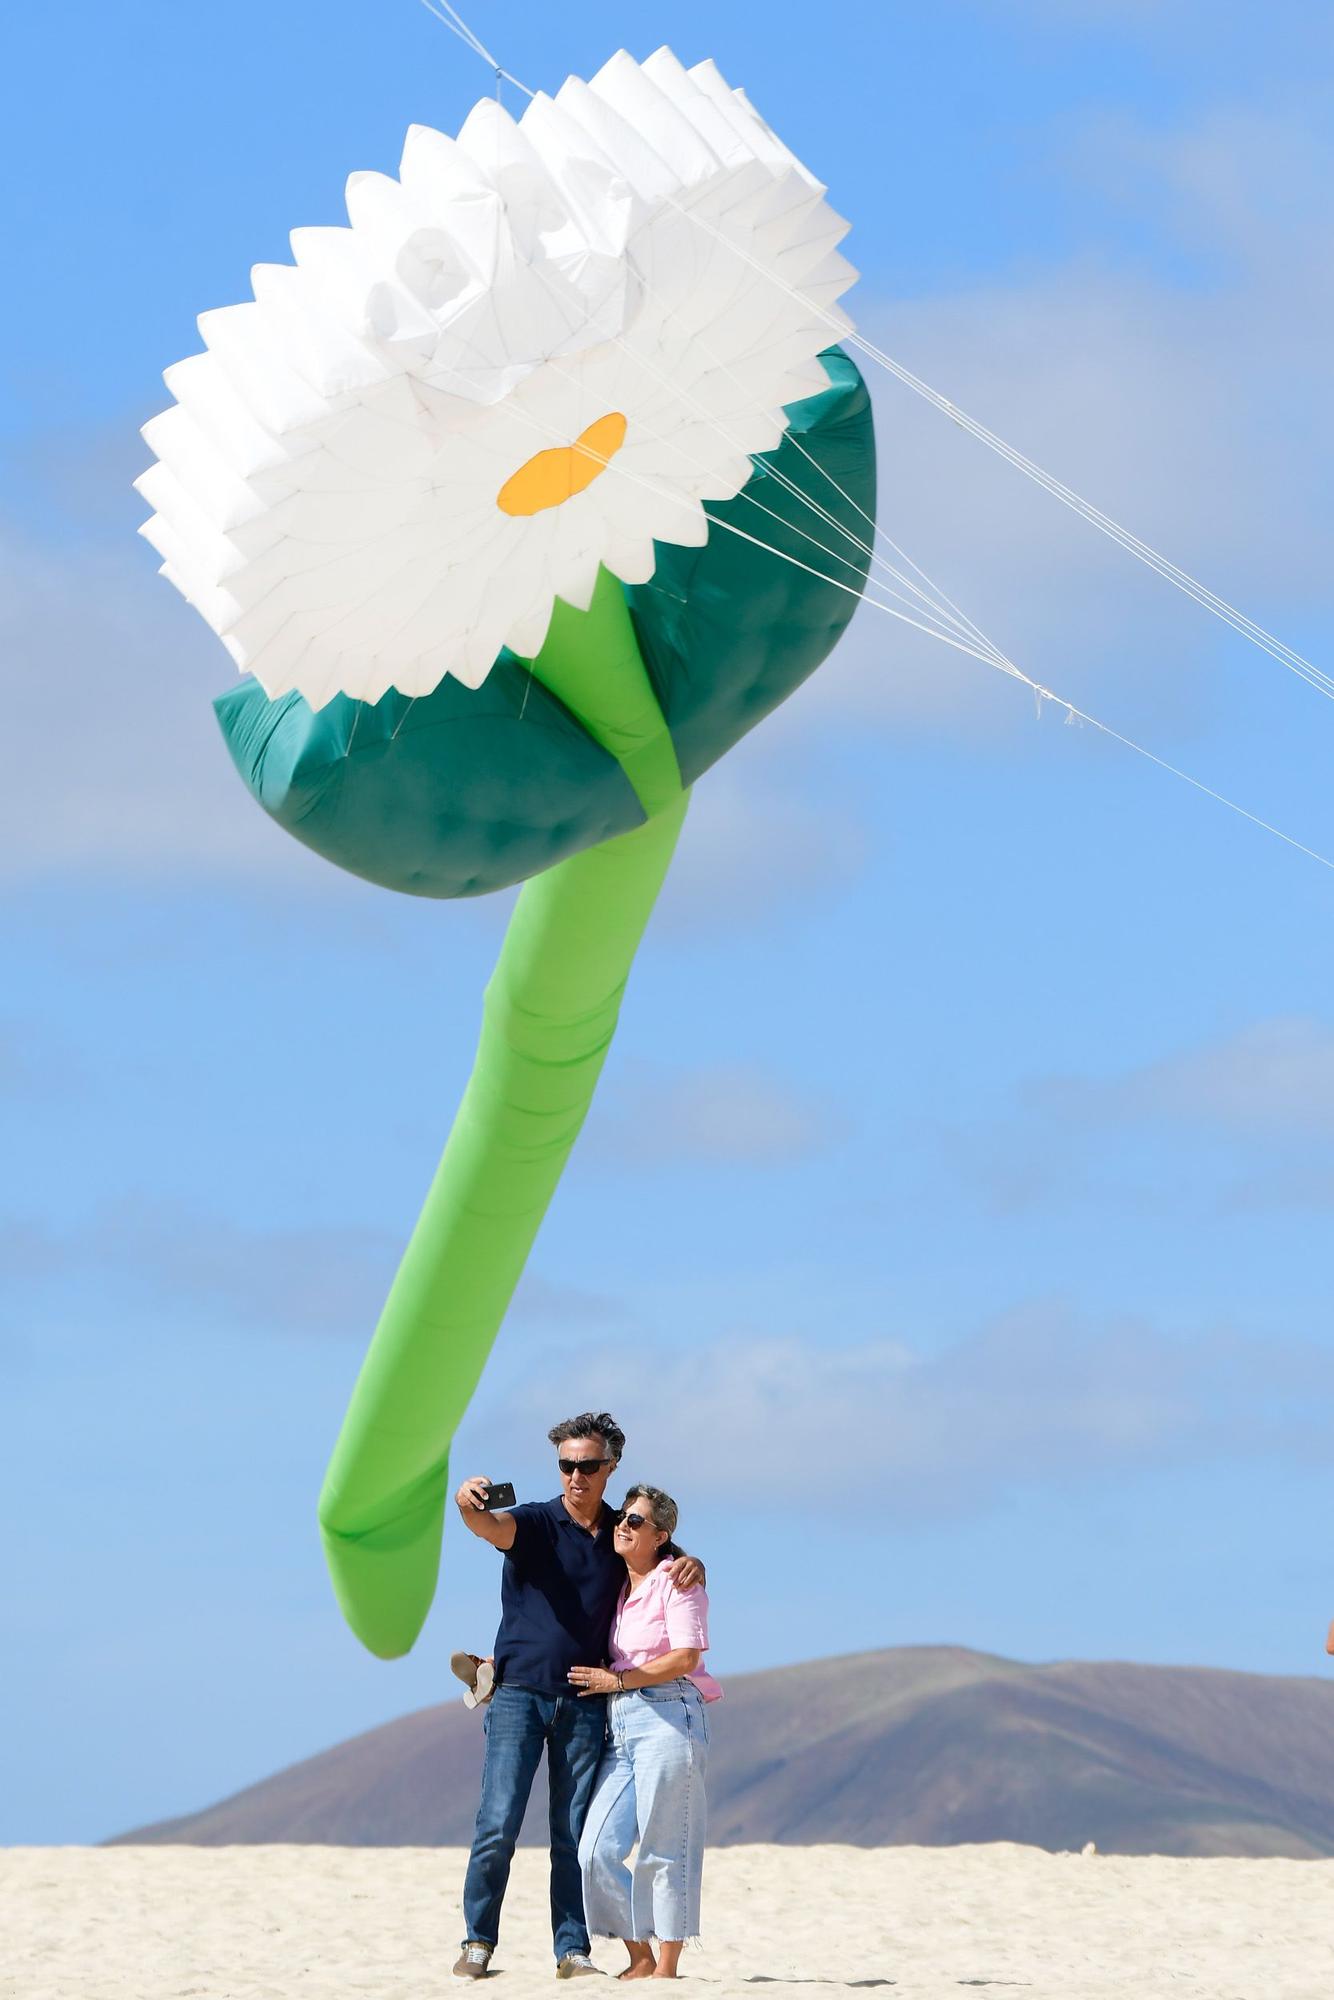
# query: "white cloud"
1240,1125
1272,1079
730,1114
1040,1397
1243,193
327,1279
755,841
112,762
1083,14
542,1301
1200,27
1284,1187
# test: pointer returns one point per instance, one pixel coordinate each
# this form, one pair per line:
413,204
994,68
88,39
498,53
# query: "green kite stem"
549,1015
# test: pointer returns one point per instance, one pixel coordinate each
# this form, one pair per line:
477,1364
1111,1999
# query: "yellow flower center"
550,477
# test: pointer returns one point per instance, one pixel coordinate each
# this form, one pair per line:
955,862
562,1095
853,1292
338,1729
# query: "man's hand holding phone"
481,1503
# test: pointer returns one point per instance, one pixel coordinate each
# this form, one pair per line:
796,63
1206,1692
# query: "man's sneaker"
577,1965
478,1677
474,1960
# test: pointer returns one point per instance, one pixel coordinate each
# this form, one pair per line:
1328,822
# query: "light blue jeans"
650,1789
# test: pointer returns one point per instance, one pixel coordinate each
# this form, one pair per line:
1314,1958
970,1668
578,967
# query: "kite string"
884,535
1078,714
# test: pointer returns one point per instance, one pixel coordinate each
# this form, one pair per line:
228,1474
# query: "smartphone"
499,1494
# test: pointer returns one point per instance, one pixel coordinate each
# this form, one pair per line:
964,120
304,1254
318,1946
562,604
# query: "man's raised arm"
499,1528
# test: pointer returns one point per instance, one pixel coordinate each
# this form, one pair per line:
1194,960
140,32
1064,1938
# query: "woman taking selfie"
650,1788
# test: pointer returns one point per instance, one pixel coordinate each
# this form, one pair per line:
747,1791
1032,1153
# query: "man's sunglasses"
572,1465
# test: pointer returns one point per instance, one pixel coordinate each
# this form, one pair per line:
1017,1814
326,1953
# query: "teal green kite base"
568,773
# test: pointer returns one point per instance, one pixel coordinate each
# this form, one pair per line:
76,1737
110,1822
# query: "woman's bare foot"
642,1962
669,1957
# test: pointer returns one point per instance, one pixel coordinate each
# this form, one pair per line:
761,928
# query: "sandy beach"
320,1923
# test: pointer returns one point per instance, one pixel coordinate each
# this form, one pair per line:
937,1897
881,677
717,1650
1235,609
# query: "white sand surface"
312,1923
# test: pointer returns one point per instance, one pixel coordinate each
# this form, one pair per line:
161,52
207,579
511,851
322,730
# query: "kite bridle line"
984,650
939,605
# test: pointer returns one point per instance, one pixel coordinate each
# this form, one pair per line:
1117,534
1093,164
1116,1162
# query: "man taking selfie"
559,1588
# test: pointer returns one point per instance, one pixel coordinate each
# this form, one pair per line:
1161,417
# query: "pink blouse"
655,1618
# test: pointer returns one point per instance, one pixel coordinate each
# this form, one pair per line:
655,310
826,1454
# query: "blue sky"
947,1233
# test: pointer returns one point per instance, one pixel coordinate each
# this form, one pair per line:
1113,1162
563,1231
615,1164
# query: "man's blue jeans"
519,1724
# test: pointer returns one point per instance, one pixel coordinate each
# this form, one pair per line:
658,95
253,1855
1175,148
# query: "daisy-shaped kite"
489,493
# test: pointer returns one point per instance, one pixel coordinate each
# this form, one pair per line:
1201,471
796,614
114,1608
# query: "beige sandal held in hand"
478,1677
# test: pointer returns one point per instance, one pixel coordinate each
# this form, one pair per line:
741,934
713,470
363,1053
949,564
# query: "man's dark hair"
592,1424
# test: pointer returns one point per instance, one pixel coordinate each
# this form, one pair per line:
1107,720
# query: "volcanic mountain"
927,1745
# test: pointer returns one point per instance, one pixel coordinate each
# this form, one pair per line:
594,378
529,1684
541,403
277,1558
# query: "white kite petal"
222,413
632,558
623,84
365,286
325,353
648,174
595,190
526,634
719,131
222,494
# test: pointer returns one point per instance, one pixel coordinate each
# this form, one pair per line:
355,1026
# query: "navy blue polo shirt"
558,1596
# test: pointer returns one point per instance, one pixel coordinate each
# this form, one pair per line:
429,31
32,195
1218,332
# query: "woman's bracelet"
620,1683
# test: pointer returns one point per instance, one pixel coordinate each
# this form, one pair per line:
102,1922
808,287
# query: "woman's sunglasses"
632,1520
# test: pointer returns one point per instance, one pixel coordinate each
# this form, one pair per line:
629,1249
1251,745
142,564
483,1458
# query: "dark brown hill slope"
925,1744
